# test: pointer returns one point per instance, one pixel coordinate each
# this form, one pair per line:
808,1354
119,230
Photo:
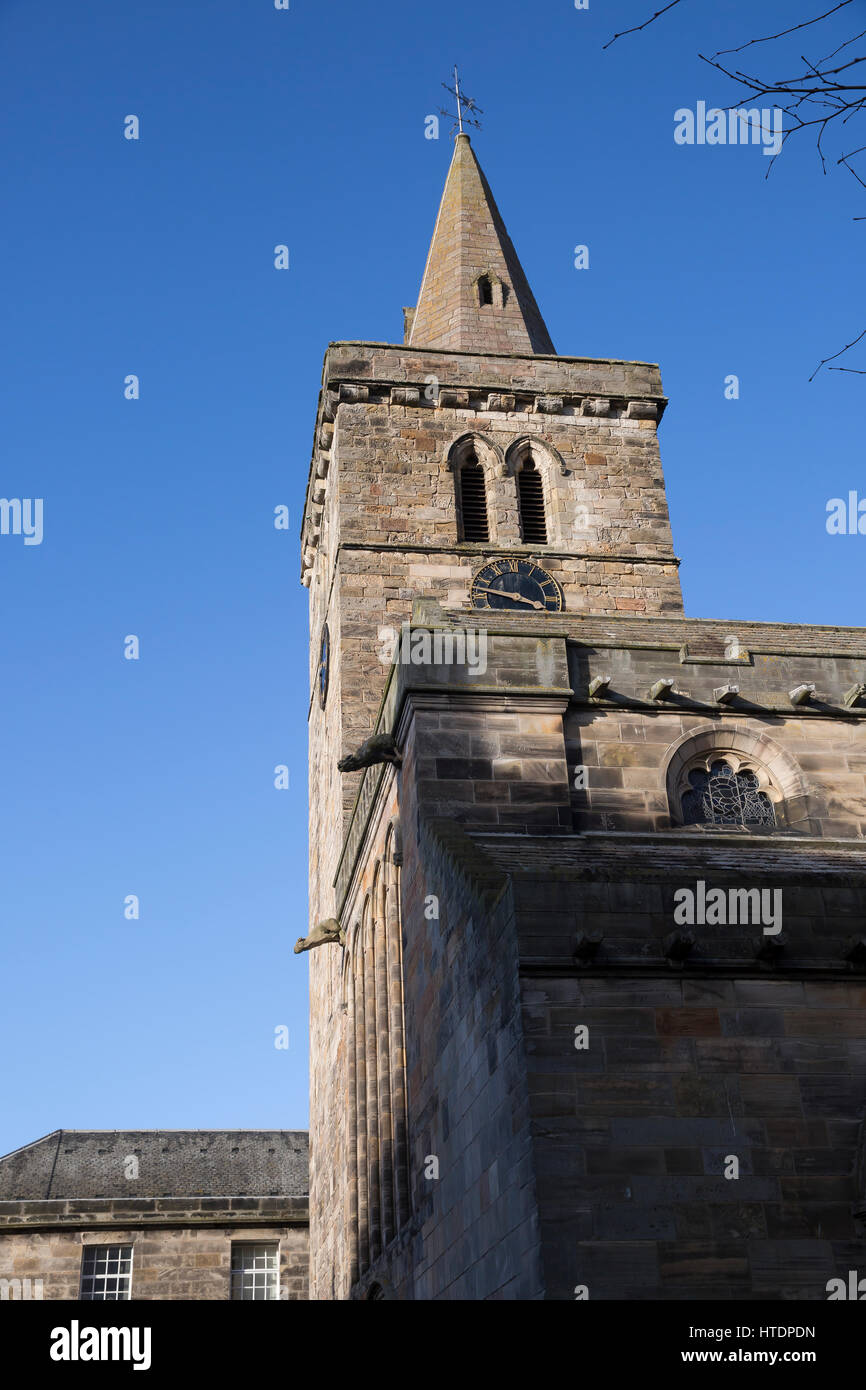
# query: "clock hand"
515,598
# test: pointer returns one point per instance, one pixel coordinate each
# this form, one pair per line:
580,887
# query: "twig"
825,360
783,32
637,27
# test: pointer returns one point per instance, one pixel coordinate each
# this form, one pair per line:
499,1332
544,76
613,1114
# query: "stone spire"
474,295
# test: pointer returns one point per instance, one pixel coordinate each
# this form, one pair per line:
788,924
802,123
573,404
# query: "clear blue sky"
155,257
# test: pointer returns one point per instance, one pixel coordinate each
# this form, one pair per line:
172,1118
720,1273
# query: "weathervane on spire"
464,106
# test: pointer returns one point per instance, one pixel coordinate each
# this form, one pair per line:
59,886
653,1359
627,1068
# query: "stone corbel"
770,948
450,398
595,406
584,946
726,694
801,694
642,410
405,395
663,689
678,946
549,405
352,394
599,686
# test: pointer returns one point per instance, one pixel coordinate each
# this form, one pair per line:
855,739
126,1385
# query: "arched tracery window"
721,794
737,777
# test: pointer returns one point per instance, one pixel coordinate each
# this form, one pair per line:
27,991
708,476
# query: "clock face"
520,586
324,666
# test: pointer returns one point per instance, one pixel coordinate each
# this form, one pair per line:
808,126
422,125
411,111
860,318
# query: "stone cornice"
476,550
134,1212
407,688
568,386
629,631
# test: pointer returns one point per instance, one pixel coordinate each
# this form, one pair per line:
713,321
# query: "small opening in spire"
485,290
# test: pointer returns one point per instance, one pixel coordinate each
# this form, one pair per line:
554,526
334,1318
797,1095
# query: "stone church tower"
587,993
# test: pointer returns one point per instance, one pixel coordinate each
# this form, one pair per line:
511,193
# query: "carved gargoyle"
380,748
323,934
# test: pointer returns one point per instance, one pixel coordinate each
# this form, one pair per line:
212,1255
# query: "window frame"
471,460
90,1253
704,762
238,1276
528,457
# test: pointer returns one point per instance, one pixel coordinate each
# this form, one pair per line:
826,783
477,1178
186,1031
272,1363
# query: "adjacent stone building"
587,998
168,1214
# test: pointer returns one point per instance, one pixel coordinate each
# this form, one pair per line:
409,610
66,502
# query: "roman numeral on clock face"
514,584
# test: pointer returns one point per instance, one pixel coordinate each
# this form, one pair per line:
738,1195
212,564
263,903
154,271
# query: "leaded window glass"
106,1273
255,1271
725,797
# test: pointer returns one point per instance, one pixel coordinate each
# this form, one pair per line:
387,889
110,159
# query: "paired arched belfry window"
478,465
530,498
473,499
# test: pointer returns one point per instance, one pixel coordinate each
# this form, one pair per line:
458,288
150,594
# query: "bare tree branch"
645,25
783,32
820,97
825,360
846,44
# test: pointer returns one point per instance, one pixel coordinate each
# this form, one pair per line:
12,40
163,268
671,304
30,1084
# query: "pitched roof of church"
73,1163
470,242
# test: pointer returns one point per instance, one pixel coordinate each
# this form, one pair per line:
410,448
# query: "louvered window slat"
473,503
530,495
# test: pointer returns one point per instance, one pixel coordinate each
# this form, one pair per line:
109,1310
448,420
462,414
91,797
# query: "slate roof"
470,240
75,1163
668,856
